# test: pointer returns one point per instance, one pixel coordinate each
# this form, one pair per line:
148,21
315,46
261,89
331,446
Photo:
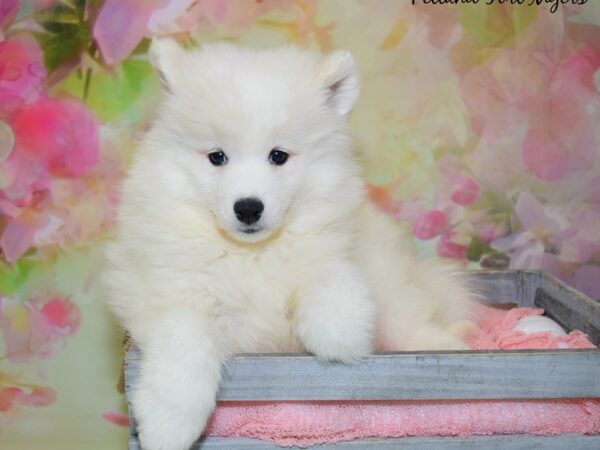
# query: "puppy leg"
180,372
336,314
412,319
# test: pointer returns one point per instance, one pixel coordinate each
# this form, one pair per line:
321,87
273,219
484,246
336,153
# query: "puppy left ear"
342,81
167,57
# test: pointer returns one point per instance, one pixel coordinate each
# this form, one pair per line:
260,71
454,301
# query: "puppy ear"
166,56
342,81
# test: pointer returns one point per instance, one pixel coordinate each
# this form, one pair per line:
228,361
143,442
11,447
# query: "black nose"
248,210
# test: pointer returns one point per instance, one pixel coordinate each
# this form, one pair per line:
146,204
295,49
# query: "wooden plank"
569,307
408,376
505,286
508,442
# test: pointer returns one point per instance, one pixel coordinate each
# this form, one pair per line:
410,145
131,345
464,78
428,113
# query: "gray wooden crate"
524,374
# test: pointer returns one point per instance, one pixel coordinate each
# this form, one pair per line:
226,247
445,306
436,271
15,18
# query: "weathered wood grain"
504,442
409,376
505,286
569,307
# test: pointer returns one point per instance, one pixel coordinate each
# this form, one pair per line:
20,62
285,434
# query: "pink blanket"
308,423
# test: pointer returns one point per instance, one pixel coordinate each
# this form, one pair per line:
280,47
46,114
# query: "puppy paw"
337,314
177,388
166,421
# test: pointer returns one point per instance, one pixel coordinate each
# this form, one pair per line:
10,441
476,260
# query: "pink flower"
524,249
39,396
581,66
61,135
551,119
538,223
21,73
19,176
587,280
448,249
429,224
580,242
495,94
12,397
544,155
562,138
554,266
8,11
121,25
18,235
8,397
465,191
594,190
32,329
36,223
116,418
46,213
62,314
542,220
20,179
175,17
441,24
487,230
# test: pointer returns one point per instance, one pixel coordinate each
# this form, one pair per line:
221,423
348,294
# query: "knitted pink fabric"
496,332
308,423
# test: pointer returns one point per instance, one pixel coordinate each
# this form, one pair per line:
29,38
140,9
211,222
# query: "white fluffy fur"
326,273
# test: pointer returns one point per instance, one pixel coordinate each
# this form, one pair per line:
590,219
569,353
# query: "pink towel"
496,332
308,423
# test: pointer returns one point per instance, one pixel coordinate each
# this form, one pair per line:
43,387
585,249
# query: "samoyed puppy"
244,227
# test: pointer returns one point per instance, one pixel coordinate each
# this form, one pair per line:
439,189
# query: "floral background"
479,126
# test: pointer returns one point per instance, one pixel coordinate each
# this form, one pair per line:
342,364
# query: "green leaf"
478,248
142,47
13,278
59,48
65,34
111,93
474,251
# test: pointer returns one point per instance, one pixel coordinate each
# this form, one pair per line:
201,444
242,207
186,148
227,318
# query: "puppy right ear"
166,56
342,81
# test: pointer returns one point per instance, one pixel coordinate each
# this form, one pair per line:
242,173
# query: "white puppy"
244,227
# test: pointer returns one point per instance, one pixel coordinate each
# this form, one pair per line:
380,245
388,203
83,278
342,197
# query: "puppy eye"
278,157
217,158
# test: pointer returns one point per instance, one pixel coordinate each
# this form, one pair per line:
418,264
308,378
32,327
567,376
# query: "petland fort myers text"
554,4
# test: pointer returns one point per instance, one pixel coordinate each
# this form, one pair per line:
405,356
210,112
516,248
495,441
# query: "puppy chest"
254,313
256,327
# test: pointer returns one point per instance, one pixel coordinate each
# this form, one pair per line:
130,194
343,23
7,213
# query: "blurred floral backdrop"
479,126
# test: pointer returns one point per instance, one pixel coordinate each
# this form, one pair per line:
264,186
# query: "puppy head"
255,138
